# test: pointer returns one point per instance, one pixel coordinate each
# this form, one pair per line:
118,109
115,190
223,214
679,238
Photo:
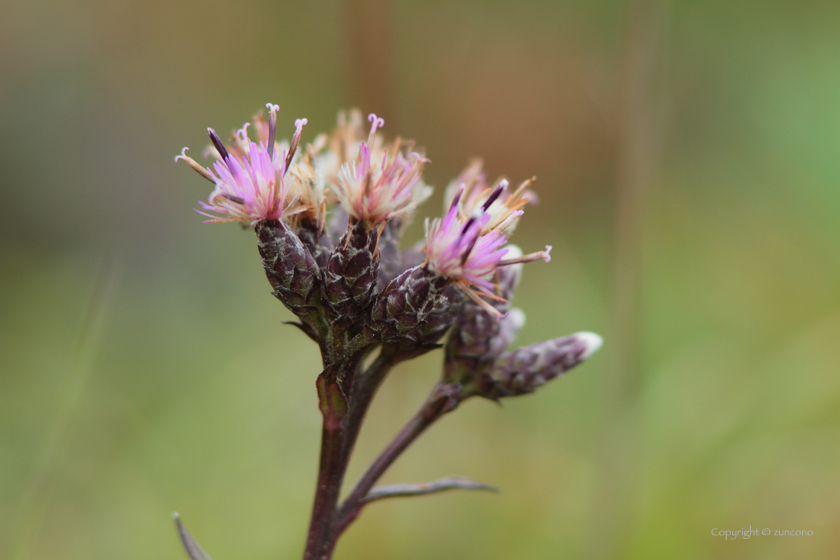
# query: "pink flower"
251,179
374,190
247,190
468,252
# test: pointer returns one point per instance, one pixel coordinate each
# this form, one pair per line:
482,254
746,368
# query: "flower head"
259,181
374,188
468,251
503,210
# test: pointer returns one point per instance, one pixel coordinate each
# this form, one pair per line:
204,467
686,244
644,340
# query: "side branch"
444,398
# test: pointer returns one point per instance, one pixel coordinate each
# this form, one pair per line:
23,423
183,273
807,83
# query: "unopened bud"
524,370
351,273
289,266
405,306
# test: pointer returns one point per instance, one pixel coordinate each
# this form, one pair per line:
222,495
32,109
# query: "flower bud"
289,266
408,304
524,370
351,272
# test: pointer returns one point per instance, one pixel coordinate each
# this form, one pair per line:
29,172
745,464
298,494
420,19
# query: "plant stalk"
338,437
443,399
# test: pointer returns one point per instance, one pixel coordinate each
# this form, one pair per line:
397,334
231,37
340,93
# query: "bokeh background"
688,163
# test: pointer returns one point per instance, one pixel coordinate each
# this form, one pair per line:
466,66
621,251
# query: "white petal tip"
516,317
592,342
513,252
547,254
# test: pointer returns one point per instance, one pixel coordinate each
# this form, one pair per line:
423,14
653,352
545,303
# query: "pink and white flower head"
252,183
375,189
504,210
468,252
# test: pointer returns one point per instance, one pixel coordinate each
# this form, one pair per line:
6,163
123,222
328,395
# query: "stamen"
299,124
375,122
232,198
522,187
479,300
242,134
530,257
194,164
457,198
500,188
471,246
217,142
272,127
510,219
322,214
467,225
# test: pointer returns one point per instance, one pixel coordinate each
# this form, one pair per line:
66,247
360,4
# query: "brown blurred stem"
36,498
367,36
637,157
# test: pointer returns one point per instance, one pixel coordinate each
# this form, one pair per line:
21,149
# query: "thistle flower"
469,251
252,180
504,210
373,189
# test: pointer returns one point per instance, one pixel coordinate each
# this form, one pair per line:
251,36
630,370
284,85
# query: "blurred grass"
198,399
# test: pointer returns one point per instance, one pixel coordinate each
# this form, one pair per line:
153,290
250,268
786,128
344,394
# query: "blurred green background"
688,163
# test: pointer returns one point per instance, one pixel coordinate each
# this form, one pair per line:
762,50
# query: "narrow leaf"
190,544
442,485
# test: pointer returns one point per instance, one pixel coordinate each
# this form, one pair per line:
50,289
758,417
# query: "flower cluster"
331,272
